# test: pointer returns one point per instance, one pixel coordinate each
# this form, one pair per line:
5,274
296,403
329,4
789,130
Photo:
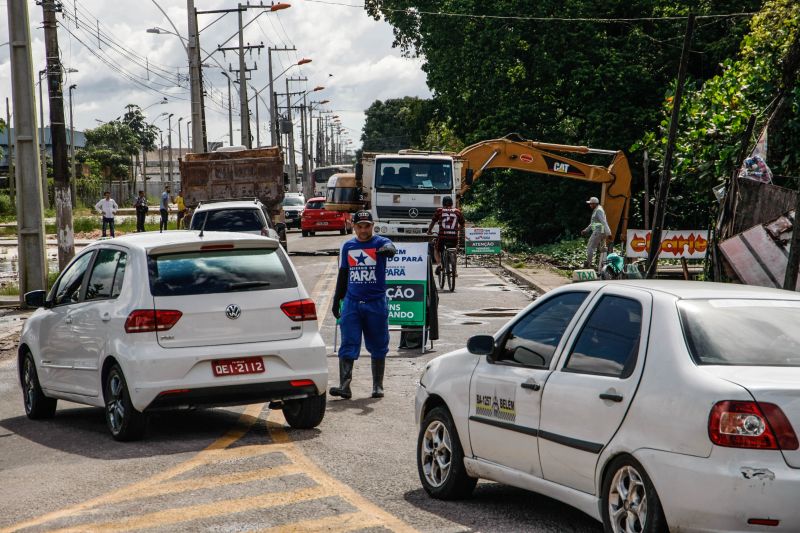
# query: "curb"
524,279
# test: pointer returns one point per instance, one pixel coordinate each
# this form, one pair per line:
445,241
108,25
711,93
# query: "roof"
232,204
701,289
151,239
317,199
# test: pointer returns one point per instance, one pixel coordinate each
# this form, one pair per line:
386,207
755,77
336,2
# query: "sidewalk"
538,278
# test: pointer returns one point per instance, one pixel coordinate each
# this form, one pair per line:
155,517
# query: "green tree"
558,79
111,146
396,124
2,129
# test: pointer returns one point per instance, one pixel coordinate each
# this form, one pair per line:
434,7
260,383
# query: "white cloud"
341,41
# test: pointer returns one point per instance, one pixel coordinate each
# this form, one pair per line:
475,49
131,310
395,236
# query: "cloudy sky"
341,41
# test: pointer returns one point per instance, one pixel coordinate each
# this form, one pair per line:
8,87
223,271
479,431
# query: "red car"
316,218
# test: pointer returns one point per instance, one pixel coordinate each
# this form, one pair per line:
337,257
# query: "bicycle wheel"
443,271
451,270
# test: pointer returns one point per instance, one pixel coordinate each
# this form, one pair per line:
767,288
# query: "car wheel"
630,502
312,233
343,231
440,459
37,405
350,229
123,420
304,233
306,413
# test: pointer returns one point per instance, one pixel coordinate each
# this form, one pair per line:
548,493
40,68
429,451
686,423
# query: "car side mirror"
469,177
35,298
481,345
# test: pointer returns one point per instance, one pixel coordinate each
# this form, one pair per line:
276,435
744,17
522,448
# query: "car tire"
350,229
122,419
437,444
627,480
312,233
343,231
37,405
304,233
306,413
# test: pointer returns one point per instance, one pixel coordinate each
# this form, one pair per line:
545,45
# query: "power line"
414,11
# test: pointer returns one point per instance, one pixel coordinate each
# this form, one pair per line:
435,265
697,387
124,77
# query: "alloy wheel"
627,501
115,407
29,384
436,453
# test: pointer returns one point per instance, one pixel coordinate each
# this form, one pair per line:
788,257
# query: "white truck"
402,190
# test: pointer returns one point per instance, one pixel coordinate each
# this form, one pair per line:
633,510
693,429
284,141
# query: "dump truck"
236,173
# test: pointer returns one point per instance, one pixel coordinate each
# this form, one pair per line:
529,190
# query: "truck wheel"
306,413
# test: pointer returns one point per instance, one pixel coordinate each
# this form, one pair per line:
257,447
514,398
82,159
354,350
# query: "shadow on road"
506,509
359,406
82,431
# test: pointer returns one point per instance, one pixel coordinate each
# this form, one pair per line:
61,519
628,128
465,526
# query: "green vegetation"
604,84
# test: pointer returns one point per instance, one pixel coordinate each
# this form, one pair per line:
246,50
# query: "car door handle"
611,396
531,386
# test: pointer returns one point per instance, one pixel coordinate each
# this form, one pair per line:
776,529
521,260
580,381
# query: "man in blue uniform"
360,303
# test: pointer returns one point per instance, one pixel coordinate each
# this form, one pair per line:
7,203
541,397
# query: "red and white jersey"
449,219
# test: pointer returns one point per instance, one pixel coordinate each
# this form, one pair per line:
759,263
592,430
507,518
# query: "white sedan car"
152,321
646,404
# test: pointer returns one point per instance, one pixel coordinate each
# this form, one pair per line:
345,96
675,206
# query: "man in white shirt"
107,208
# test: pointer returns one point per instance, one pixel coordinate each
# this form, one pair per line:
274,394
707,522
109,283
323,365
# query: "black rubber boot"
378,366
345,377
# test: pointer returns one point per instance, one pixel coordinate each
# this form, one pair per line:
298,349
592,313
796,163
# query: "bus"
320,177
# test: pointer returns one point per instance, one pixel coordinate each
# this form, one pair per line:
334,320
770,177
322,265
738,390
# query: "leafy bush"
6,206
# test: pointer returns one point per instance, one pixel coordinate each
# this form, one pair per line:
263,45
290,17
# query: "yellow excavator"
348,192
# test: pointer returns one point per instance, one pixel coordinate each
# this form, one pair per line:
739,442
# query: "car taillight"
299,310
144,320
737,424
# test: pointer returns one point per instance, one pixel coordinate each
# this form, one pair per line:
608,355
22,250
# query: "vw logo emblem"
233,311
413,212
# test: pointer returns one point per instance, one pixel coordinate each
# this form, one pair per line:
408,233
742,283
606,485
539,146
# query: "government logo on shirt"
363,257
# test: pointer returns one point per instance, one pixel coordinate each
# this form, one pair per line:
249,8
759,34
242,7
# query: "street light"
162,101
273,112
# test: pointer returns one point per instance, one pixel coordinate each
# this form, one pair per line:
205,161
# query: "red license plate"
233,367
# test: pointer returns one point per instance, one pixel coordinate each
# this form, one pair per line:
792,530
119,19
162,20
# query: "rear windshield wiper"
248,284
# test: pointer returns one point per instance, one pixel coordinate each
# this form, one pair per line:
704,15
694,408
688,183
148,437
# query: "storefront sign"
407,284
691,244
482,241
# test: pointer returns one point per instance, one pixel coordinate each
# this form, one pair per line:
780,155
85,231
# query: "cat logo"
558,166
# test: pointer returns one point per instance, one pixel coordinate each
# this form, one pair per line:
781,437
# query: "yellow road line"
340,522
205,510
332,485
247,418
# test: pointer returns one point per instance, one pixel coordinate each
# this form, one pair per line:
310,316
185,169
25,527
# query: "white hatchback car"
646,404
151,321
241,216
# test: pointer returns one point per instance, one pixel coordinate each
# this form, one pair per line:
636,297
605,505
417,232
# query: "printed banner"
407,284
482,241
691,244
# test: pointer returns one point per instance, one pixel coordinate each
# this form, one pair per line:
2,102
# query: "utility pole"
273,107
58,135
646,191
230,109
180,141
30,212
304,159
245,113
11,185
292,162
43,141
193,50
72,172
169,142
161,155
663,188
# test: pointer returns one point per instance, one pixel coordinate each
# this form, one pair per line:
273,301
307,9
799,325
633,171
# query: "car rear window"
210,272
228,220
742,332
315,205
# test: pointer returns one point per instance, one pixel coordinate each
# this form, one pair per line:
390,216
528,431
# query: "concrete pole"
245,114
195,79
292,163
188,137
230,111
273,122
180,141
258,125
73,175
11,185
58,135
43,143
304,157
30,212
169,142
161,155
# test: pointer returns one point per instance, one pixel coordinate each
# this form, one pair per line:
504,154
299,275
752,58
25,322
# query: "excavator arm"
530,156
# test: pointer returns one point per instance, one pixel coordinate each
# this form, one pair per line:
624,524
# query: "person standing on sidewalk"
164,209
141,210
181,208
360,303
107,208
597,230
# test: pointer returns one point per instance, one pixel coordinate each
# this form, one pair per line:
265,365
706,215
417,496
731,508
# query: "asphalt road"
242,469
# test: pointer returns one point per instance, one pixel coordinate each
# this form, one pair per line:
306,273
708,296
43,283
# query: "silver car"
646,404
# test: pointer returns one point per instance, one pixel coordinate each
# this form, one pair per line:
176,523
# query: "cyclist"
451,221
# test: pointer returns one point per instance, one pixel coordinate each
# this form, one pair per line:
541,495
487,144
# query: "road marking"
340,522
275,426
323,291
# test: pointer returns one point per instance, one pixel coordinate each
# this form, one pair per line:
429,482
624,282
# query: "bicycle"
447,272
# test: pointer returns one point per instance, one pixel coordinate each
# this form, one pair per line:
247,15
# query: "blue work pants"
370,318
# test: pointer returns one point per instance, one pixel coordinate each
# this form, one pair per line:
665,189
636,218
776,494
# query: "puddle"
468,323
493,312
